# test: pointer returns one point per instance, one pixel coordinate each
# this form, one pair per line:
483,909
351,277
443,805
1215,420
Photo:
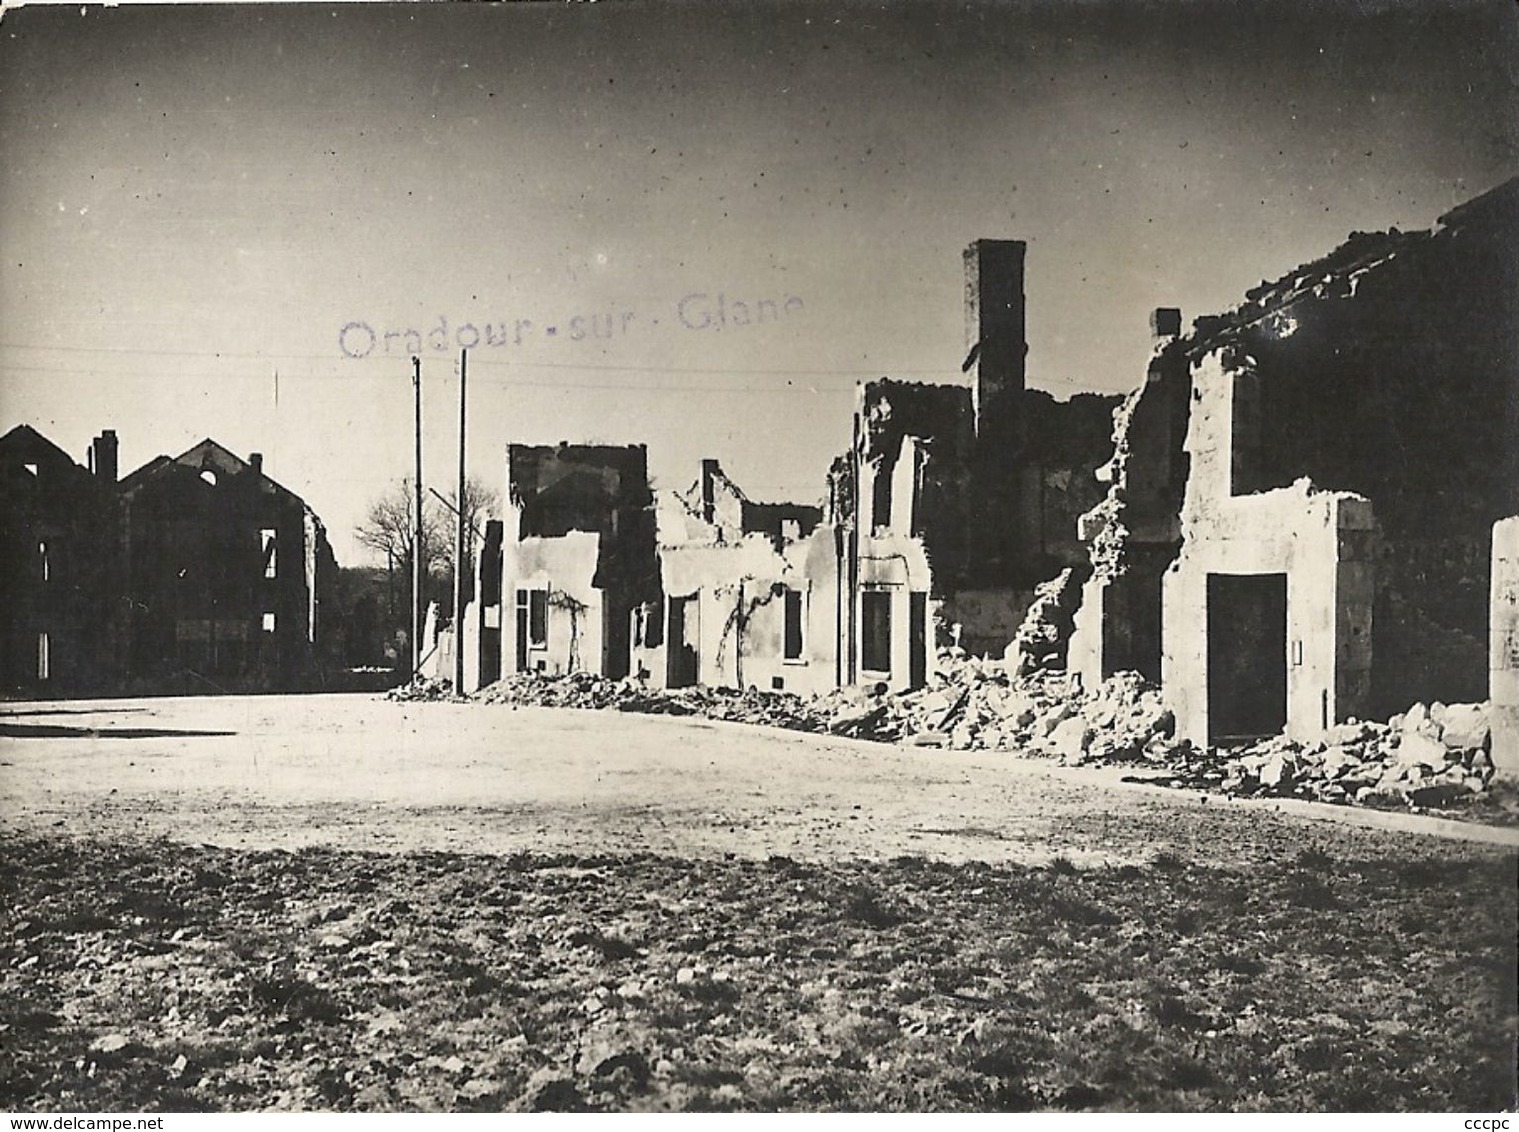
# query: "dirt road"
362,772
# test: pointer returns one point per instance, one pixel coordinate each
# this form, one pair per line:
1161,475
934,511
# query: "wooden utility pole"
416,537
459,541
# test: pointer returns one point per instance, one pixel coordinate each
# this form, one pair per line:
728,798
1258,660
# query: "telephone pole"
459,541
416,537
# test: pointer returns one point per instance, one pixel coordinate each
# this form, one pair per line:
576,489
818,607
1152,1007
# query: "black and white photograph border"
645,557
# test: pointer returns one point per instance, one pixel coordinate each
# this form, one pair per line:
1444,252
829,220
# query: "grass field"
146,974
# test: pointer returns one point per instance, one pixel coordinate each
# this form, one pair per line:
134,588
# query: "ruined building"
1299,523
578,558
966,497
224,572
197,573
952,500
750,592
677,588
57,521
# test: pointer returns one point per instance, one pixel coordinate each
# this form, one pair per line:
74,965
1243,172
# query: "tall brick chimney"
256,462
103,456
708,492
994,326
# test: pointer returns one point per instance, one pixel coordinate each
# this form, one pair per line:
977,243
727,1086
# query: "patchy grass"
151,975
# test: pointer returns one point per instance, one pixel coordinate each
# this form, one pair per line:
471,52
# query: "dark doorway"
616,638
917,639
875,630
681,664
522,626
1247,656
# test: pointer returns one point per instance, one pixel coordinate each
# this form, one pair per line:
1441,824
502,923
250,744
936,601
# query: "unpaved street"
363,772
644,913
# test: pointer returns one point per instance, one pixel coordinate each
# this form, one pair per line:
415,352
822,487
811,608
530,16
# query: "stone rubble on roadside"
1432,756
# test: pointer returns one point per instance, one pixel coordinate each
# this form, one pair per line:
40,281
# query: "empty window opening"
267,543
791,529
44,657
43,564
1247,450
794,624
209,476
649,626
880,502
917,638
30,468
875,630
538,619
268,622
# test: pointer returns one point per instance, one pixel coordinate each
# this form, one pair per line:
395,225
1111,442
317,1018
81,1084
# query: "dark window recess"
521,631
875,630
793,625
651,626
538,618
880,502
1247,455
917,638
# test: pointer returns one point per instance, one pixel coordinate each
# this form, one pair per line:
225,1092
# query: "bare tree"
480,502
391,528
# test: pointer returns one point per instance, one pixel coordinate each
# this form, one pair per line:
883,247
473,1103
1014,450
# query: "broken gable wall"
1391,369
563,568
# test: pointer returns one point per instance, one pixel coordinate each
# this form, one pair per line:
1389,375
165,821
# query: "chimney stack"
103,456
256,462
1165,322
708,494
994,326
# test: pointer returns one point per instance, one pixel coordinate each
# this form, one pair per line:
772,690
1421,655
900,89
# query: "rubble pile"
422,688
584,690
1432,756
1041,641
974,705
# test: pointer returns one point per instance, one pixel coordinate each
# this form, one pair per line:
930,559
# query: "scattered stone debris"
422,688
584,690
1431,757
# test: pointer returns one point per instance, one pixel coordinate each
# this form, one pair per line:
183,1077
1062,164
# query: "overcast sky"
195,202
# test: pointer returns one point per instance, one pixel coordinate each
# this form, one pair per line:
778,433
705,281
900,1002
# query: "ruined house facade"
225,573
193,573
606,576
1299,525
749,592
578,558
57,522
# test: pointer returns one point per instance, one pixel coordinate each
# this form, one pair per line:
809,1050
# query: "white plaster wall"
720,575
564,566
1296,531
